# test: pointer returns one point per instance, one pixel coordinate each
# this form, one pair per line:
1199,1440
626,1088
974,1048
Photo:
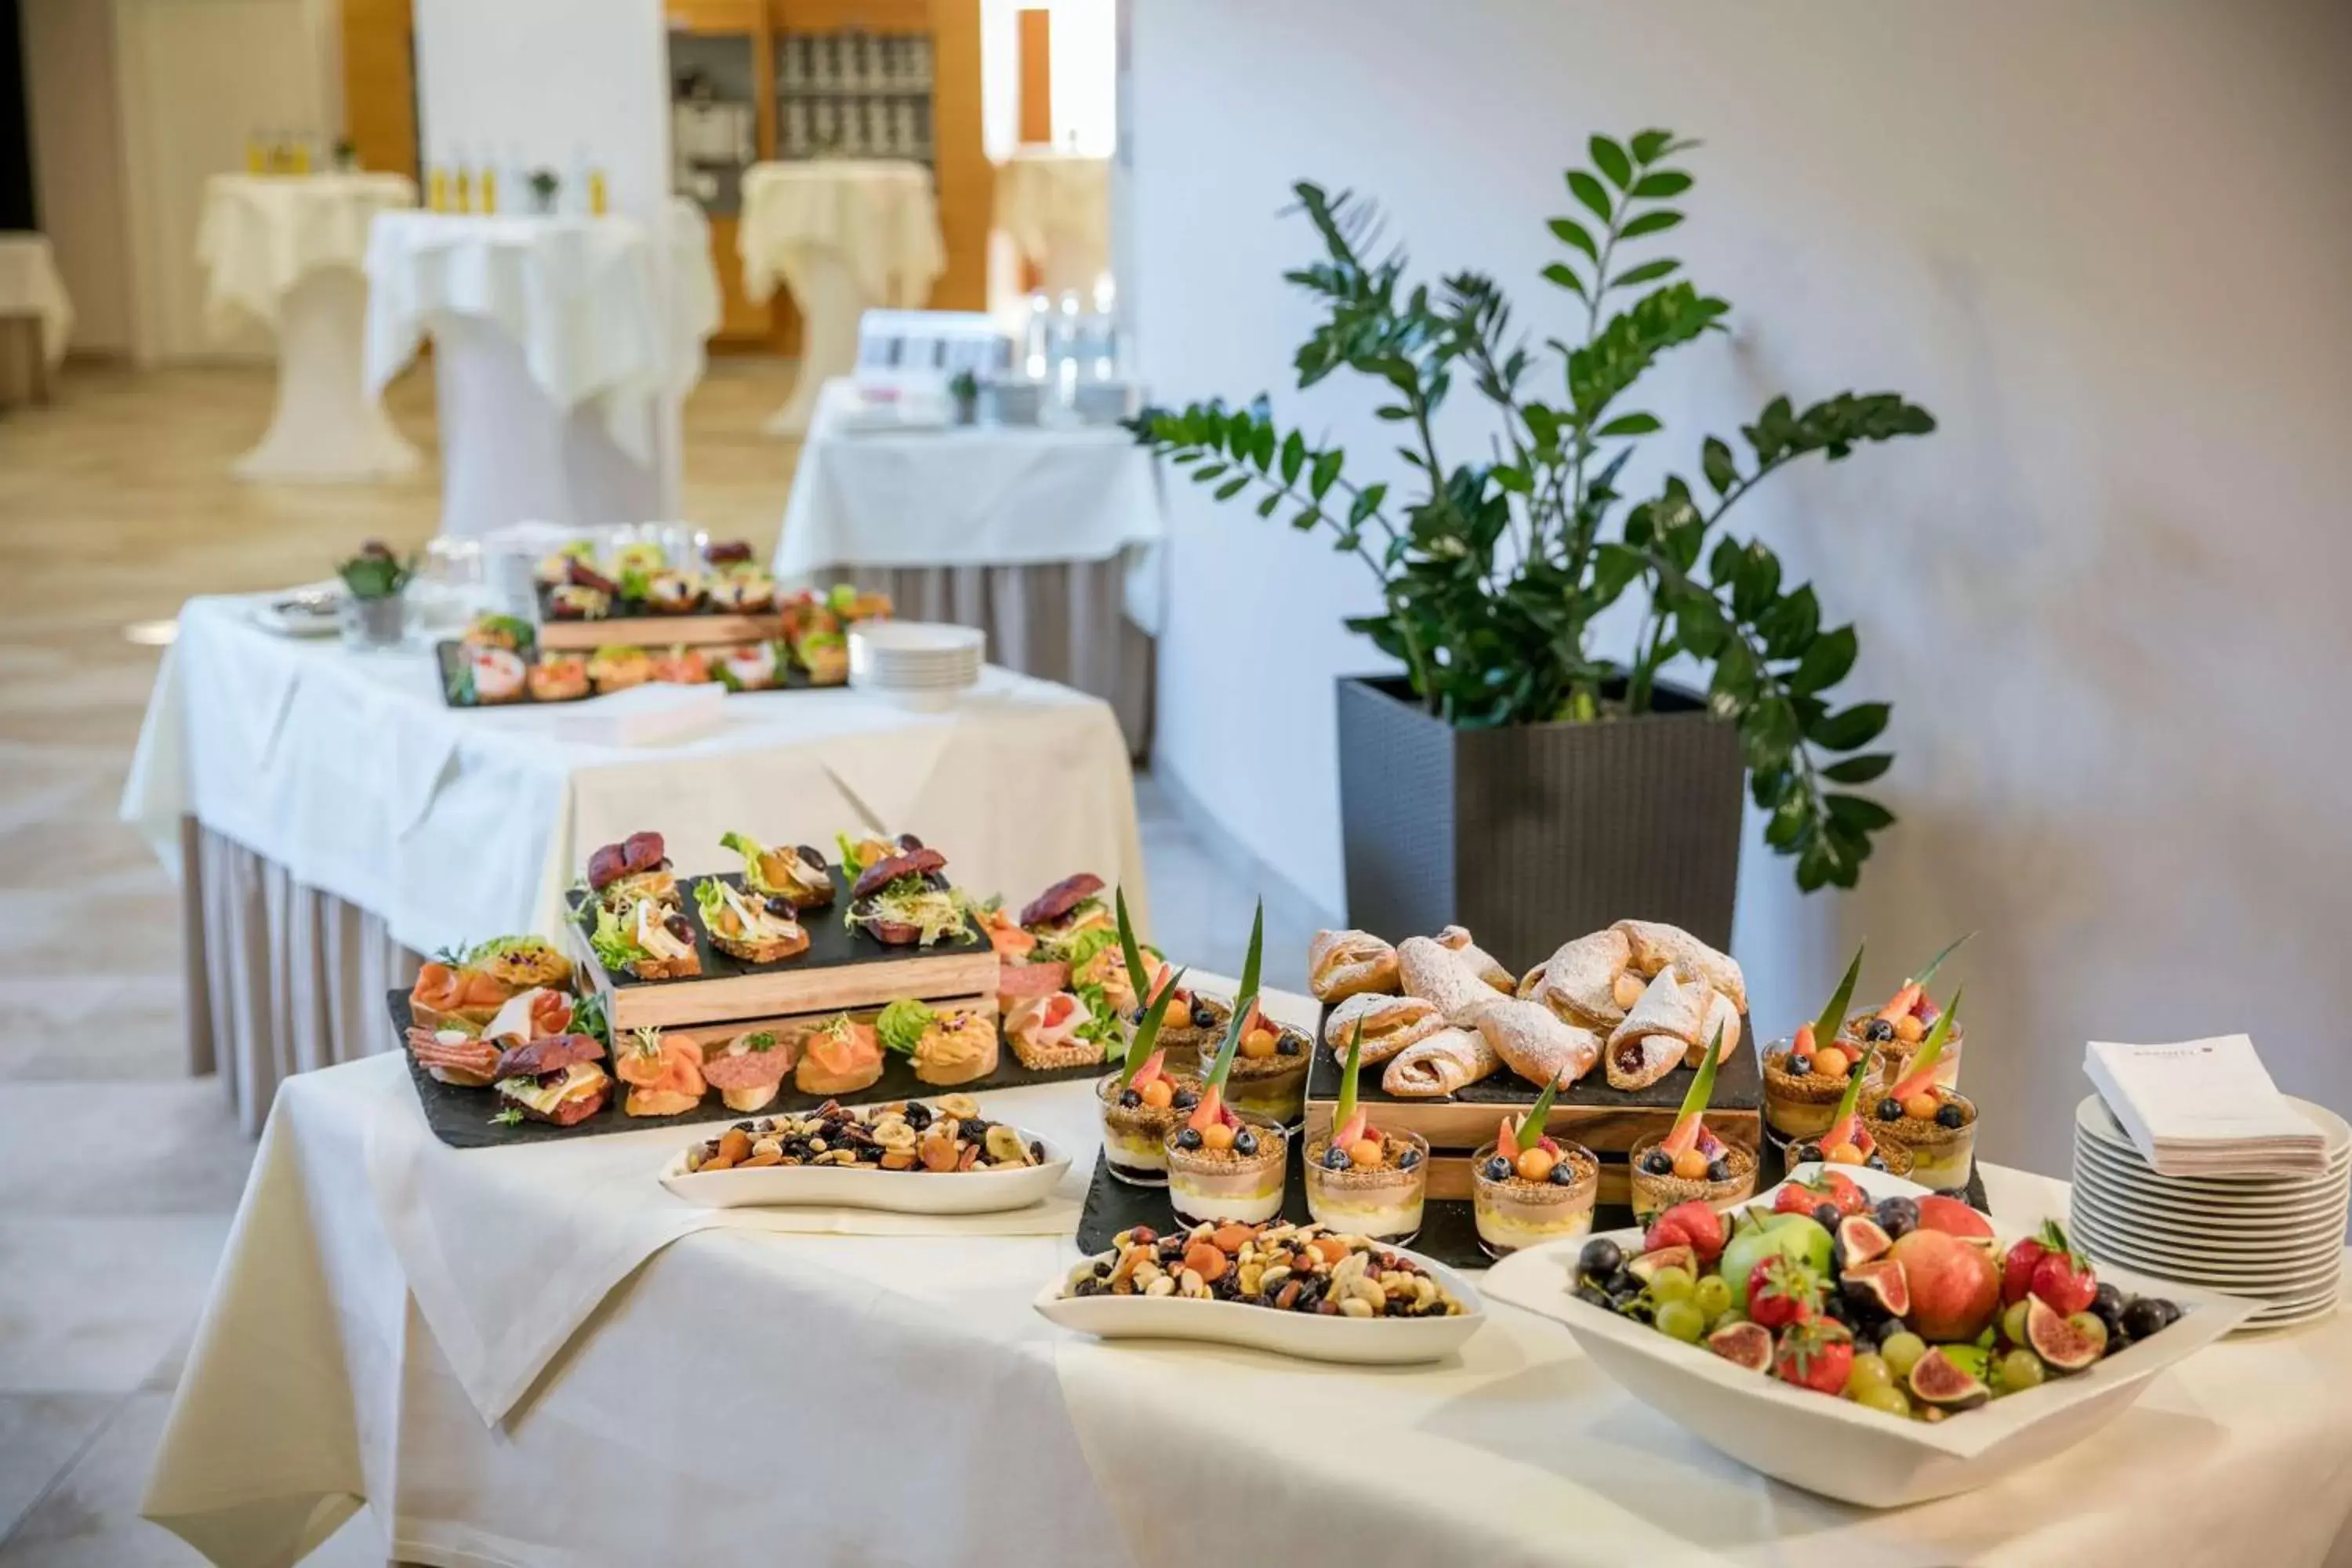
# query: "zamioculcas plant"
1493,573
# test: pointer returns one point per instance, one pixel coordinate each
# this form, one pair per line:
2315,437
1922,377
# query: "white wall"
77,166
2104,242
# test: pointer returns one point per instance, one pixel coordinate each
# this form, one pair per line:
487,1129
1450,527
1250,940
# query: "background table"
877,1399
344,820
36,317
844,235
1056,207
286,251
555,344
1045,539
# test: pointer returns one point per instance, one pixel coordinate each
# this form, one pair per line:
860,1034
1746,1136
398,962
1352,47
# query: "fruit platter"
1856,1334
911,1156
1295,1290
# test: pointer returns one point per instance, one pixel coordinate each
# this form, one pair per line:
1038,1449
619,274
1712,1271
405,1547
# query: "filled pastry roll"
1437,974
1481,963
1440,1064
1390,1024
1342,963
1581,981
1535,1043
1720,1011
1664,1025
1655,946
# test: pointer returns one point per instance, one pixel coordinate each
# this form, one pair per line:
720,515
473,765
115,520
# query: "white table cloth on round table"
35,312
1055,207
1047,539
371,1335
348,820
844,235
554,347
286,251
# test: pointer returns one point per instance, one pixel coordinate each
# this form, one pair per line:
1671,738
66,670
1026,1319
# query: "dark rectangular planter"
1538,833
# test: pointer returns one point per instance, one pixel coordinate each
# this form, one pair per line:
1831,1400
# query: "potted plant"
964,387
544,188
1515,776
347,156
375,584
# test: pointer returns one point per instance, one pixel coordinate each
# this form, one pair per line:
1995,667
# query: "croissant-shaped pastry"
1440,1064
1481,963
1342,963
1656,945
1390,1025
1535,1043
1437,974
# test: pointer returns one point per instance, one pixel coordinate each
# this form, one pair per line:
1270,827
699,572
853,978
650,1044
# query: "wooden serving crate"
1609,1122
842,970
660,631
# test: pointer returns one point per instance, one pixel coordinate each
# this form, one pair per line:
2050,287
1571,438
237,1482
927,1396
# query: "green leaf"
1833,1019
1788,824
1308,518
1650,223
1367,503
1207,472
1661,183
1649,272
1591,191
1931,1051
1858,813
1326,469
1951,947
1147,1033
1574,233
1347,1076
1530,1129
1245,1000
1268,507
1715,462
1826,662
1702,1088
1611,160
1648,144
1559,273
1513,479
1233,488
1858,770
1630,425
1787,627
1293,454
1851,728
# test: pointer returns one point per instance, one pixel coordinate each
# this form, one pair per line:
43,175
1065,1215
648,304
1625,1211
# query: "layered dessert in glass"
1937,1128
1536,1194
1802,1084
1227,1171
1138,1120
1373,1184
1708,1170
1269,1072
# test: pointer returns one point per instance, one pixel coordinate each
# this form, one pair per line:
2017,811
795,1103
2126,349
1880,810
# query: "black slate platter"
456,686
1738,1084
1449,1230
463,1118
832,941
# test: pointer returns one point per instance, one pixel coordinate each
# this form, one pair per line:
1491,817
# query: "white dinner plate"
2093,1118
2291,1279
1367,1342
2292,1316
1836,1446
2299,1241
2232,1189
2117,1203
862,1187
2092,1166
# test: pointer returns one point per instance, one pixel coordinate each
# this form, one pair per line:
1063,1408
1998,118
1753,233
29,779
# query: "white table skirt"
1055,207
29,286
888,1400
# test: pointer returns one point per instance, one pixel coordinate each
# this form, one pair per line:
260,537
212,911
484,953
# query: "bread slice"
1070,1053
684,968
773,949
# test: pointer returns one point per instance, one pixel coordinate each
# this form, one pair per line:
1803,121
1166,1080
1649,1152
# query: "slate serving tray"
461,1118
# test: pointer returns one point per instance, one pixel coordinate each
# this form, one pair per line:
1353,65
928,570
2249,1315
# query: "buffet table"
286,251
344,819
1046,539
892,1398
556,343
844,235
1055,208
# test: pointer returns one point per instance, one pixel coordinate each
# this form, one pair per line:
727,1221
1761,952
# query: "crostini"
555,1079
947,1047
840,1056
646,940
796,873
755,928
664,1076
905,901
749,1069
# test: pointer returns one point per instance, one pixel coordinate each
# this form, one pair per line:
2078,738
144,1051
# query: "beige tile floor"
117,1173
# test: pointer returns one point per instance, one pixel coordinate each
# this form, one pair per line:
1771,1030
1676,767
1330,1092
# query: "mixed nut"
1289,1267
947,1135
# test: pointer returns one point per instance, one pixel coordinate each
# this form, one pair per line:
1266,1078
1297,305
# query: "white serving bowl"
1364,1342
859,1188
1833,1446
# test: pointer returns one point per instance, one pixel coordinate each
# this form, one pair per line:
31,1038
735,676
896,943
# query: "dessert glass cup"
1187,1042
1653,1196
1893,1155
1941,1156
1512,1213
1207,1184
1273,1087
1135,1137
1803,1107
1383,1203
1893,1058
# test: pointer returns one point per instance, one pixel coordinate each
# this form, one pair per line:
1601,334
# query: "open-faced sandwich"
1024,970
744,590
637,867
749,1069
556,566
457,1051
947,1046
1066,911
839,1056
578,602
554,1079
753,667
672,592
619,667
646,939
682,666
798,874
824,655
522,962
492,675
558,677
454,988
1058,1031
905,901
511,633
665,1076
755,928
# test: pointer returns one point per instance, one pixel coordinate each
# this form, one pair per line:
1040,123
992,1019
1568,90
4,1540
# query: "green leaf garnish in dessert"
1529,1130
1128,948
1684,1133
902,1024
1923,1066
1348,1075
1844,1122
1925,975
1833,1018
1211,1106
1147,1033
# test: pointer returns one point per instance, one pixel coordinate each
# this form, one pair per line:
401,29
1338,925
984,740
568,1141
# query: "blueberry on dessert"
1680,1166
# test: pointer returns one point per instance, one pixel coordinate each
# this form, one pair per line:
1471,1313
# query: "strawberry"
2061,1277
1831,1187
1781,1292
2017,1270
1797,1197
1693,1225
1816,1354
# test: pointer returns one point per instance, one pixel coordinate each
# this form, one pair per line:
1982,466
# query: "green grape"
1901,1352
1671,1283
1890,1399
2016,1371
2012,1321
1712,1296
1679,1320
1869,1372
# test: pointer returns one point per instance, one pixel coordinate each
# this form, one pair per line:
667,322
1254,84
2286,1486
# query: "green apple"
1794,1236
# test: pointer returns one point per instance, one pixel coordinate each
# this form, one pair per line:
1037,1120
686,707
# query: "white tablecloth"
29,286
845,236
881,1399
1056,207
348,771
978,495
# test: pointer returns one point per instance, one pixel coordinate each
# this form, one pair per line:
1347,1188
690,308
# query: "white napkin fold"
2205,1108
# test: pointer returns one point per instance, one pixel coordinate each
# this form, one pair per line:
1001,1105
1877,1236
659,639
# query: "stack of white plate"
2276,1238
919,664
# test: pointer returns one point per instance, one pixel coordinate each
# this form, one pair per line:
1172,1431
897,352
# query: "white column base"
325,428
830,304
